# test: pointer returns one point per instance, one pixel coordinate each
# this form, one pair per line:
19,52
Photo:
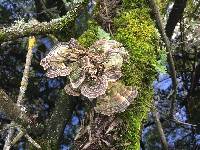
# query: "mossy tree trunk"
136,30
54,127
133,27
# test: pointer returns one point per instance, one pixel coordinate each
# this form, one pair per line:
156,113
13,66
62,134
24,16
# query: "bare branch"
24,82
8,140
17,138
183,123
23,87
32,141
172,69
160,129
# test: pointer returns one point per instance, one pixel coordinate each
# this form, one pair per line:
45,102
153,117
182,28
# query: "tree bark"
13,111
22,29
175,16
160,129
61,115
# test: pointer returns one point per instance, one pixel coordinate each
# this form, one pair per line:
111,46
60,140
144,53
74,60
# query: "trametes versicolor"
93,72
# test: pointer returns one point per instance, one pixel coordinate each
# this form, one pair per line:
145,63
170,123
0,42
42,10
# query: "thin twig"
17,138
20,135
20,100
172,69
24,82
183,123
160,129
8,140
32,141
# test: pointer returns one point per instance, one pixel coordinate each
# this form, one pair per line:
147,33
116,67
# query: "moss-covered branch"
61,115
136,30
55,125
21,29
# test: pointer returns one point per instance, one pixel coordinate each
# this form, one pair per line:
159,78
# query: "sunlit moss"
131,4
89,36
2,36
136,31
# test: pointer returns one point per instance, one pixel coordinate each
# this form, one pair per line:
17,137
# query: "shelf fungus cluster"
93,72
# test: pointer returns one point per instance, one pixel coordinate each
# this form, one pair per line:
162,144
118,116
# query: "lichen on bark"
21,29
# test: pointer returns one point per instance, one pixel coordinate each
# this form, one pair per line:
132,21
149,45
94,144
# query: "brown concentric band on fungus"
115,103
96,88
52,73
110,105
71,91
113,74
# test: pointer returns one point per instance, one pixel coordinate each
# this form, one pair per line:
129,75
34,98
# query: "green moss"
136,30
131,4
2,36
90,35
133,119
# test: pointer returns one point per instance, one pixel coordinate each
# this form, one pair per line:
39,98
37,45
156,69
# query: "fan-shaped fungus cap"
121,103
54,61
63,52
105,45
109,105
103,105
96,88
113,74
71,91
88,66
73,44
133,95
56,54
117,98
129,92
52,73
98,46
109,46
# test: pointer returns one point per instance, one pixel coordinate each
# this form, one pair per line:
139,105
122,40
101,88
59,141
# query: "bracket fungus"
95,87
117,98
55,61
71,91
113,74
93,72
